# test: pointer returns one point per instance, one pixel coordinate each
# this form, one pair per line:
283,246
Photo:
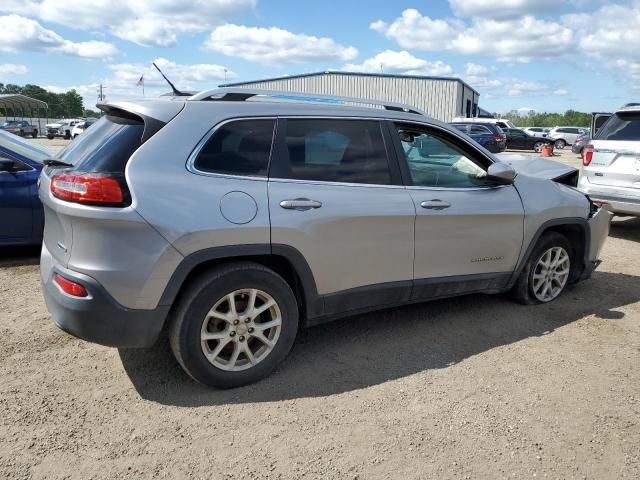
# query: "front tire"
547,271
233,325
50,137
34,133
67,135
560,144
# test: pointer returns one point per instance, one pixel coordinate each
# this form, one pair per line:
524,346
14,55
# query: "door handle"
435,204
301,204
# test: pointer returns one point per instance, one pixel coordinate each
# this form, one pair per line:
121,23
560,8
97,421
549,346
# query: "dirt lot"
475,387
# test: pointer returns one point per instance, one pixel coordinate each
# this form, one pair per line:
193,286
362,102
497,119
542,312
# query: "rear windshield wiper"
52,162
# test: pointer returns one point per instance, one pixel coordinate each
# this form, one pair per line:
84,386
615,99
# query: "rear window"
106,147
621,126
479,130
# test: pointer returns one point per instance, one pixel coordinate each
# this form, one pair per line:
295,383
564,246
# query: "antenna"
176,92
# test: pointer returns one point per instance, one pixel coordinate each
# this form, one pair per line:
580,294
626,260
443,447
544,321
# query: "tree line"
61,105
570,118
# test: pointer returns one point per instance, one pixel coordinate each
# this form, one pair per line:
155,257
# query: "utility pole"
101,92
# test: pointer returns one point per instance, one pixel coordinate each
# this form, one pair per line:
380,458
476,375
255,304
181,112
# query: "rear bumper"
617,204
98,318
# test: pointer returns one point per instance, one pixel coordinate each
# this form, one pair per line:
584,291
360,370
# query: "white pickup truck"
62,128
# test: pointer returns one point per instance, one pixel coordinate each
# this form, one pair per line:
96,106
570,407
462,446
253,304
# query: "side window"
464,128
350,151
240,147
502,125
435,161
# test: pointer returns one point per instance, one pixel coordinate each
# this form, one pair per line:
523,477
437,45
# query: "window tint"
621,126
107,147
479,130
350,151
436,162
241,147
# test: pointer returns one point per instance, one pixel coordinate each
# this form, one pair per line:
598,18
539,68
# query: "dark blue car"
489,135
21,218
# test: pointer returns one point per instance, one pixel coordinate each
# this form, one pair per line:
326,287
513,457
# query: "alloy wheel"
551,273
241,329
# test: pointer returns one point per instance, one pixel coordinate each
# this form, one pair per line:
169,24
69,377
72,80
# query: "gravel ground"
474,387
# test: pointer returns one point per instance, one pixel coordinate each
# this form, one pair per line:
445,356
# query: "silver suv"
234,217
611,163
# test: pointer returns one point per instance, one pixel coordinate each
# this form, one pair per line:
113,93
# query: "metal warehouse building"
441,97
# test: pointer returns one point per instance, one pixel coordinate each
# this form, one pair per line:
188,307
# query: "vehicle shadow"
19,256
371,349
625,228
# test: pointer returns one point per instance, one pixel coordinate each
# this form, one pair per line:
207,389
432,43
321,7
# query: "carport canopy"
16,101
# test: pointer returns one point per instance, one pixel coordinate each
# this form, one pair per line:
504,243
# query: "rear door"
616,154
468,231
336,197
598,119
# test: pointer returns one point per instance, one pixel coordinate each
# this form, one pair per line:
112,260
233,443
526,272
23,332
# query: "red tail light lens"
71,288
499,138
88,188
587,155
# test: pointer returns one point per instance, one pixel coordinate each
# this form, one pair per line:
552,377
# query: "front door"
469,232
336,198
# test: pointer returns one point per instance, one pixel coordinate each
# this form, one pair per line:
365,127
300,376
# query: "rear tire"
227,346
50,137
560,144
34,133
538,283
67,135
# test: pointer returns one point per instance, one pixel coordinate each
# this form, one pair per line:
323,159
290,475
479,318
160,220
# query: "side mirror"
6,165
501,173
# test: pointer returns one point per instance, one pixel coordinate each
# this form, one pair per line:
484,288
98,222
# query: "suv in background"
611,163
268,214
19,127
501,122
564,136
537,131
62,128
489,135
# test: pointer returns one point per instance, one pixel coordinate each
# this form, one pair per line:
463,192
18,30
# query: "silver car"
611,163
235,216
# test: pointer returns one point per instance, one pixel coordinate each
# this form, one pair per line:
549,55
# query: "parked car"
62,128
82,126
19,127
266,215
537,131
518,139
21,217
489,135
580,142
565,135
501,122
611,163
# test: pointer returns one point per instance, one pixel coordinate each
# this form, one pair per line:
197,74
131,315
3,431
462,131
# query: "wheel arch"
576,230
282,259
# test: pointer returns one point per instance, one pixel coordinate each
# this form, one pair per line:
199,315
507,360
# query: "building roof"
14,100
355,74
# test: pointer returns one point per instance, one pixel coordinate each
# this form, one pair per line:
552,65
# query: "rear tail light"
90,189
499,138
69,287
587,155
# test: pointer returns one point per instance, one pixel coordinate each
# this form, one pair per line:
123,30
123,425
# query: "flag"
140,82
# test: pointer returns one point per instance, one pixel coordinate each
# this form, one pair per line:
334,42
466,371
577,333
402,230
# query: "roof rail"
242,94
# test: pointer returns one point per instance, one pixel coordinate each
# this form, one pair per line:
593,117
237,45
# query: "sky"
542,55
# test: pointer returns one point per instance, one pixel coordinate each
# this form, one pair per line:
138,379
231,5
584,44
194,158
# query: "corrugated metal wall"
442,99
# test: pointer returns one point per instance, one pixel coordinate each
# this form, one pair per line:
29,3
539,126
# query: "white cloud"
502,8
473,69
561,92
8,70
517,88
391,61
520,39
24,34
275,45
122,83
146,22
